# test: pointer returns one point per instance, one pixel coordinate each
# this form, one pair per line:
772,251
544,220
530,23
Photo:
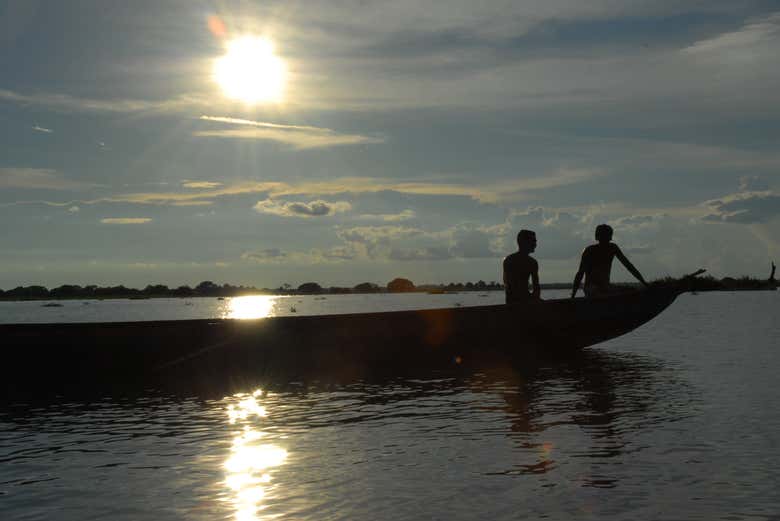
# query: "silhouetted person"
772,275
519,267
596,264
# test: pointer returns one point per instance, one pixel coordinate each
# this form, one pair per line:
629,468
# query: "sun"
250,71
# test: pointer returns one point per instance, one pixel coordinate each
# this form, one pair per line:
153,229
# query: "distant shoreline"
210,290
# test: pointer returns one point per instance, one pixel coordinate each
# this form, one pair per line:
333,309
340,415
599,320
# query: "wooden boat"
57,357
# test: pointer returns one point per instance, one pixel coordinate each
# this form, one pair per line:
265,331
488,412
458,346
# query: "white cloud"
404,215
74,209
377,234
315,256
42,129
404,243
744,208
430,253
201,184
755,41
486,192
317,208
192,203
126,220
299,137
269,254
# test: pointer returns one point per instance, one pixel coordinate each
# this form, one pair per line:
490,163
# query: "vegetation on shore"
710,283
210,289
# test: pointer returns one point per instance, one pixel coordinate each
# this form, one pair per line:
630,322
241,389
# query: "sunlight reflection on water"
246,469
251,306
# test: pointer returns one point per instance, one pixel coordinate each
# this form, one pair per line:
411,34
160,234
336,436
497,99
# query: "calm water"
678,420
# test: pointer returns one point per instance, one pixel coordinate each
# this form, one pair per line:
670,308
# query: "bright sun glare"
250,71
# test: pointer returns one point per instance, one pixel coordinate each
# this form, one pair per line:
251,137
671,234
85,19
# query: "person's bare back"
519,267
596,265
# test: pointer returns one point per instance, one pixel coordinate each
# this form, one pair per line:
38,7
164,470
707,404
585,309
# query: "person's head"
603,233
526,241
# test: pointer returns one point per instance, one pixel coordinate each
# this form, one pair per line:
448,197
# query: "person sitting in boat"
596,264
519,267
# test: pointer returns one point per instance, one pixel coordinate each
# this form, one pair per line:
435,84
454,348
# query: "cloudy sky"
357,140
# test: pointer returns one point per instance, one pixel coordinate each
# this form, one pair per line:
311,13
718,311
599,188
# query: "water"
121,310
678,420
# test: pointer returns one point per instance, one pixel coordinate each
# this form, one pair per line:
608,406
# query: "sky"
344,141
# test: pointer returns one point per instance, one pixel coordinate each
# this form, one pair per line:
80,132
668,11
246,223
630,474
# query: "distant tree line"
208,288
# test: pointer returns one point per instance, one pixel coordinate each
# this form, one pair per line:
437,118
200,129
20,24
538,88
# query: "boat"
58,357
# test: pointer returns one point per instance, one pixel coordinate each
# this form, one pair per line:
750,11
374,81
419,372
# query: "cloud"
753,42
67,102
376,241
262,124
299,137
744,208
38,179
264,255
753,183
472,244
192,203
561,235
633,220
404,243
189,198
404,215
201,184
74,209
486,192
42,129
126,220
143,266
377,234
420,254
317,208
641,249
314,256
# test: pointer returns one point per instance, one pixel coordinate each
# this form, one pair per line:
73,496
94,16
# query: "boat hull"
57,357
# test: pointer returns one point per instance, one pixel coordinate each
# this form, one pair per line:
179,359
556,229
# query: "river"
676,420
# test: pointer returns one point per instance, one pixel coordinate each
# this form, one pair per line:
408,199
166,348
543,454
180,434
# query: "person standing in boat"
519,267
596,264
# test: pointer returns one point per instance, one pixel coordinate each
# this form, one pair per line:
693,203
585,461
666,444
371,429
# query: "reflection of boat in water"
63,355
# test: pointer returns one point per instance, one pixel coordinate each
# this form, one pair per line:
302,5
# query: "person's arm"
630,267
537,291
578,277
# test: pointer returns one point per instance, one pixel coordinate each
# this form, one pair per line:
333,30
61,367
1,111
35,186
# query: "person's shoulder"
533,262
509,259
590,249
